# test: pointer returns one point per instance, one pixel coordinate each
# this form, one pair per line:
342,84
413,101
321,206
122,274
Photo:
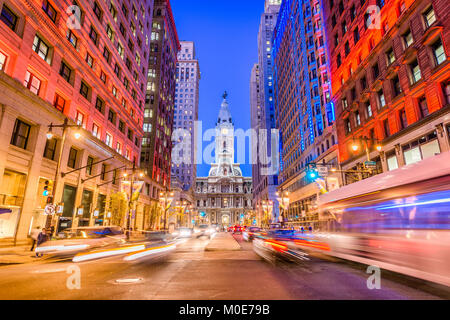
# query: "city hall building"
224,196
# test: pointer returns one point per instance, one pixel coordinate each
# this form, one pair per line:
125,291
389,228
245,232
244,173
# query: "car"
230,229
250,232
74,240
237,229
183,232
204,230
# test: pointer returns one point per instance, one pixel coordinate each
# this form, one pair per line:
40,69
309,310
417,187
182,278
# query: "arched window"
333,141
158,12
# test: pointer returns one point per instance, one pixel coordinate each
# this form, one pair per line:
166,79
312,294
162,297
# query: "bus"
398,220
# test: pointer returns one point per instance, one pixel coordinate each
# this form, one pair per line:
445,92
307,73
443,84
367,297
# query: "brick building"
303,109
390,81
160,97
84,62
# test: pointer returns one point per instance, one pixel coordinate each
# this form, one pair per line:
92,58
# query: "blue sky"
225,35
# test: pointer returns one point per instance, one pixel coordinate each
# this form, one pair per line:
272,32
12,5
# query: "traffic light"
311,172
48,190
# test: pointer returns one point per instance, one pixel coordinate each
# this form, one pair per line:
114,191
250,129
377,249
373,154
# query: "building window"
112,116
98,12
49,10
9,18
72,38
396,85
392,161
390,56
119,147
72,158
429,17
2,61
438,52
89,166
93,35
403,120
425,147
387,131
109,32
20,134
103,76
357,118
50,148
59,103
41,48
84,90
407,39
103,172
79,118
65,72
348,126
423,107
32,83
99,104
89,60
446,89
381,100
375,70
96,130
344,103
106,54
415,72
369,109
108,140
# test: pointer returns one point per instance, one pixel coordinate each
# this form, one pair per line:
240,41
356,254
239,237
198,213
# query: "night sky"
225,34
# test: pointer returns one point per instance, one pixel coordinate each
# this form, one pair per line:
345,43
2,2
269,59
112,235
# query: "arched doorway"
225,220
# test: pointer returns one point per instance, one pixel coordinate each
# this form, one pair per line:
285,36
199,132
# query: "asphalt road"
192,273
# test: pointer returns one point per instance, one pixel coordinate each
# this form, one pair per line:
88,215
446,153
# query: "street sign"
49,209
370,164
322,170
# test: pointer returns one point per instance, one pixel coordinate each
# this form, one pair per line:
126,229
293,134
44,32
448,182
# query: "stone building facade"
224,196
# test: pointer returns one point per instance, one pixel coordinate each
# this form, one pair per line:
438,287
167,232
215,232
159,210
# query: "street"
192,273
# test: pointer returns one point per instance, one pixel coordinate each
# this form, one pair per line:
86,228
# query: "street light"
65,125
130,202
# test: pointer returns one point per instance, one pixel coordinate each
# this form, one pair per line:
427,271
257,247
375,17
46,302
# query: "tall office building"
86,68
186,113
266,179
303,108
391,82
160,98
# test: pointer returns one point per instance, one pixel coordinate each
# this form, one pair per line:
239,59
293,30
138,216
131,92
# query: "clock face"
224,131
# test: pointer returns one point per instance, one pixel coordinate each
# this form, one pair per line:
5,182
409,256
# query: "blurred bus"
398,220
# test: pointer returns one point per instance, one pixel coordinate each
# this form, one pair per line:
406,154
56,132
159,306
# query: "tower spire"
225,94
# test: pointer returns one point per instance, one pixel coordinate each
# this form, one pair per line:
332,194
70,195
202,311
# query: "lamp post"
65,125
165,199
283,201
130,200
364,139
267,206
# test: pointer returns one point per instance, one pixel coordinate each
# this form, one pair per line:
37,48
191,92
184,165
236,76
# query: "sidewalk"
17,255
222,241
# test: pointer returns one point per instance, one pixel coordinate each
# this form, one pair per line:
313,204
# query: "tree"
118,208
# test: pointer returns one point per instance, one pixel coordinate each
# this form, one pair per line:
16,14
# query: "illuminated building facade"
390,80
86,64
160,98
186,113
303,108
225,195
265,169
